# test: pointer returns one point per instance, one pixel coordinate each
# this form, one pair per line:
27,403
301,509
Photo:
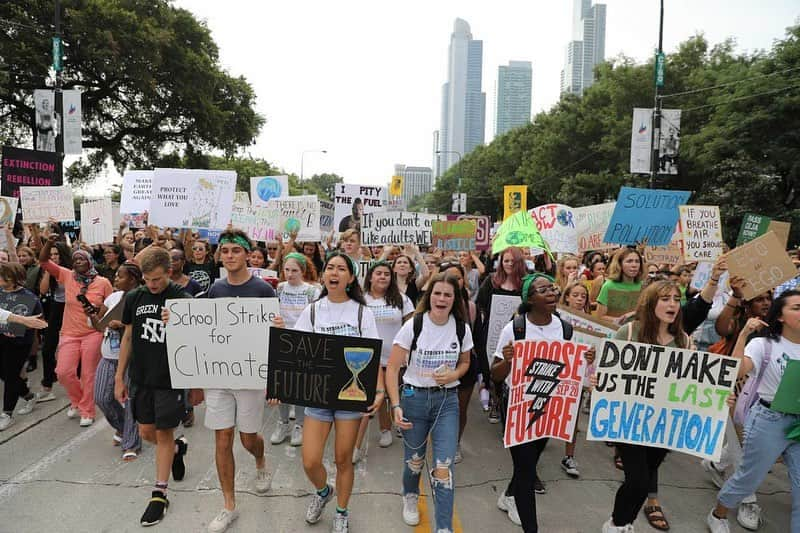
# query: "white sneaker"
570,466
509,505
221,522
717,476
609,527
45,396
749,516
385,439
411,509
297,436
5,421
458,456
316,505
717,525
86,422
341,523
360,453
280,433
72,412
27,406
263,480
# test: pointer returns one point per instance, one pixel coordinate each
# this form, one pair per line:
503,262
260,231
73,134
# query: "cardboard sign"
599,326
664,397
501,312
515,199
663,255
757,225
137,189
20,303
645,216
23,167
621,302
326,210
185,198
266,188
556,223
8,209
324,371
483,226
219,343
97,224
545,392
396,227
763,263
781,231
592,222
39,204
351,202
454,236
702,232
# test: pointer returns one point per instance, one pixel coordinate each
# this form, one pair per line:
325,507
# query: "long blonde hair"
614,272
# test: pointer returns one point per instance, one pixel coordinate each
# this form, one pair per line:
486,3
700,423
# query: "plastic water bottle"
485,399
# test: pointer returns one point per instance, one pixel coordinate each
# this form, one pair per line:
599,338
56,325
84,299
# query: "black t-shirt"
148,364
252,288
204,274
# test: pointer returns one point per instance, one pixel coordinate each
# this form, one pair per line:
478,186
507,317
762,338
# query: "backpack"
519,328
749,393
360,315
461,330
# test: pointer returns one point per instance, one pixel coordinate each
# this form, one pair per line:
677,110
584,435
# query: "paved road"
56,476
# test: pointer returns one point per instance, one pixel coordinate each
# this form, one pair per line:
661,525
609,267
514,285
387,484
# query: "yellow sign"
396,188
515,198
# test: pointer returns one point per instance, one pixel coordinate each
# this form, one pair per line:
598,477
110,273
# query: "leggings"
51,335
641,469
11,361
525,457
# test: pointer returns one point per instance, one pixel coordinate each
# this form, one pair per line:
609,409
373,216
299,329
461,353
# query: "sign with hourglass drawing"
324,371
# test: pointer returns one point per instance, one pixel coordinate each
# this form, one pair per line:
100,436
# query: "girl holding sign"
435,346
341,310
625,274
658,321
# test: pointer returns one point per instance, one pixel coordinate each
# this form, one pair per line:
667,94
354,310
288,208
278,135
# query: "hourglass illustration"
356,360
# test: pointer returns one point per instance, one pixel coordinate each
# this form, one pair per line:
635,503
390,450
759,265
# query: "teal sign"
57,54
661,60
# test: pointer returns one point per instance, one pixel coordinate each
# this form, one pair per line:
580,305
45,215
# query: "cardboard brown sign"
663,255
763,263
781,230
621,302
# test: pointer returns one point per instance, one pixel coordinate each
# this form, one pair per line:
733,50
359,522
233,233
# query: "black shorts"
469,379
162,407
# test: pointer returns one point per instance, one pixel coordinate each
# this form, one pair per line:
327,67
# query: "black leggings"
50,345
641,470
525,457
13,357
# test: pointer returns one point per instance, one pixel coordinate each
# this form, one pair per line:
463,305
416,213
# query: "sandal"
618,462
130,455
655,516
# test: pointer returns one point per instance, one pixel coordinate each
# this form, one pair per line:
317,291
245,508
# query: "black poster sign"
324,371
20,303
23,168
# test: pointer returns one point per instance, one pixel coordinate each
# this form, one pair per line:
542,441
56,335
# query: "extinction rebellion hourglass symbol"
356,360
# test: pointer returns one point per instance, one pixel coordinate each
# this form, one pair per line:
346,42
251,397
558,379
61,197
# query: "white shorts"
226,408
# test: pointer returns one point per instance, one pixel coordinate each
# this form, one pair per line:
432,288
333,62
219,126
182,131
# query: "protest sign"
702,232
351,202
40,204
135,220
266,188
591,223
752,226
184,198
323,371
763,263
781,230
97,224
660,396
621,302
501,312
454,236
590,323
396,227
219,343
515,199
702,273
70,229
20,303
545,392
325,219
23,167
645,216
663,255
518,230
241,197
483,226
8,209
556,223
280,217
137,189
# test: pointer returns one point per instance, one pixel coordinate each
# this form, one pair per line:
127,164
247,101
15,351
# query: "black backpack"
519,328
461,330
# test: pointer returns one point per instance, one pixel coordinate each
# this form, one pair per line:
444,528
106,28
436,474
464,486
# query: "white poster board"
8,209
40,204
279,218
97,222
397,227
266,188
702,232
219,343
185,198
137,188
501,312
351,202
592,223
556,223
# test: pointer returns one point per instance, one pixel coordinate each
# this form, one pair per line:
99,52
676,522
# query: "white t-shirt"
782,352
553,331
388,318
111,337
338,319
293,299
436,346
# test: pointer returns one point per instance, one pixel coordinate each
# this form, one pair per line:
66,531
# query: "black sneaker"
538,486
178,468
156,509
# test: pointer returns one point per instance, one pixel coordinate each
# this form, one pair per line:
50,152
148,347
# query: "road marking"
13,485
424,525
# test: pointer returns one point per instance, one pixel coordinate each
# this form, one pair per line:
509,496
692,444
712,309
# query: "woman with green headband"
539,299
294,295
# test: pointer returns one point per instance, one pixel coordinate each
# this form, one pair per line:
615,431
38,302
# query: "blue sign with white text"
645,216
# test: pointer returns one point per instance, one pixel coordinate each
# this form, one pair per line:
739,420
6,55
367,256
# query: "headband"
300,258
528,280
236,239
375,264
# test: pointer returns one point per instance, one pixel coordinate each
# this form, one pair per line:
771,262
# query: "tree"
149,73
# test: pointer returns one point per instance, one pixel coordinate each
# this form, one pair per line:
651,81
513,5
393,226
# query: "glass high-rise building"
512,96
416,182
587,47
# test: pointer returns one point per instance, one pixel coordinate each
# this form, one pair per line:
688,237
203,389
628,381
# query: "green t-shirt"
613,296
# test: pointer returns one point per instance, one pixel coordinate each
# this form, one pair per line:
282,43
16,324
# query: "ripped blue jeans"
432,412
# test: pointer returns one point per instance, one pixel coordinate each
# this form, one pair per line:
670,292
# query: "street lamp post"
658,81
302,157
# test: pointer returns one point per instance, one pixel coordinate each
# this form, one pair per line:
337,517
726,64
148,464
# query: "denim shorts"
328,415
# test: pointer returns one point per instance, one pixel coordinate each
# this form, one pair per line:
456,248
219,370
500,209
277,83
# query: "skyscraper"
463,103
587,47
416,182
512,96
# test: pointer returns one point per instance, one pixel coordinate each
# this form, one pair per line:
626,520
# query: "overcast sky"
362,79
